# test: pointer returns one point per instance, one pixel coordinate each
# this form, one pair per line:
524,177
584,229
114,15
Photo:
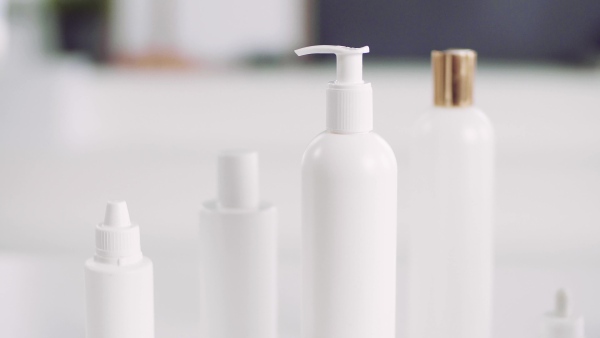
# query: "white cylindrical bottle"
450,208
349,208
561,322
238,243
118,280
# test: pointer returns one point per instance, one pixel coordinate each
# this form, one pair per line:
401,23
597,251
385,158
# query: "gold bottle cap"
453,75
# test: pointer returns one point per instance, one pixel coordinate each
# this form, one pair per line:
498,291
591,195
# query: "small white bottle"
349,190
238,243
451,166
119,280
561,322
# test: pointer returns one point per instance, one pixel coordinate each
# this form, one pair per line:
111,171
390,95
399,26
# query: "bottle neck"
349,108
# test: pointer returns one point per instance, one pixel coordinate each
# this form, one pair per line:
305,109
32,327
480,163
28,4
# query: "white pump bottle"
450,213
349,193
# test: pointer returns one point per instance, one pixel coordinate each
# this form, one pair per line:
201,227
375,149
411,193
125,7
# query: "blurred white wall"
214,31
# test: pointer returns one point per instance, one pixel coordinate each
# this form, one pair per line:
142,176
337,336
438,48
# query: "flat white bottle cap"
349,100
237,179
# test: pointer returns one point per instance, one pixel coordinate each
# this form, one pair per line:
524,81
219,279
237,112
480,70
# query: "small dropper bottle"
119,280
238,243
561,322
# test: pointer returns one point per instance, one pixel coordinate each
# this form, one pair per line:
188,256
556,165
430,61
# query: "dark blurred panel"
514,29
82,26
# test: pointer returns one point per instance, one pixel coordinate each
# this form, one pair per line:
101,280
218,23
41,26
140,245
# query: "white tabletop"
73,137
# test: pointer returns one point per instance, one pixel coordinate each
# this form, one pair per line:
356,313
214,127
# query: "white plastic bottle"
561,322
349,190
450,208
238,243
118,280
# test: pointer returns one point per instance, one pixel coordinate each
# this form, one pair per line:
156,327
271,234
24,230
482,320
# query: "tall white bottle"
238,243
450,218
349,193
119,284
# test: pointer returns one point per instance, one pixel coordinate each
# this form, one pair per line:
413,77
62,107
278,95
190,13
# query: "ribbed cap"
237,179
116,237
349,108
453,76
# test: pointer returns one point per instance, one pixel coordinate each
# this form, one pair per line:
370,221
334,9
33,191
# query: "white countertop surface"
72,137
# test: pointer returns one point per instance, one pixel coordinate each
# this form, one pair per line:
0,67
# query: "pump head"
349,61
117,239
349,98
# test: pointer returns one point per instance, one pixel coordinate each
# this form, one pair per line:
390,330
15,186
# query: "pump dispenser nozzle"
349,98
349,61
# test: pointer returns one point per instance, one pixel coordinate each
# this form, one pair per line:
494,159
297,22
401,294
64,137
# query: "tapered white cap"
116,214
349,98
116,238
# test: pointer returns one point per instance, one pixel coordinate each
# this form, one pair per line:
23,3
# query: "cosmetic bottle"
349,176
451,162
238,244
562,322
118,280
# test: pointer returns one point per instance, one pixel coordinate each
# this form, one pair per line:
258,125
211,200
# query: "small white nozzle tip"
116,214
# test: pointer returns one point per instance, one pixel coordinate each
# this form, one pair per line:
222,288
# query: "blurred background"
131,99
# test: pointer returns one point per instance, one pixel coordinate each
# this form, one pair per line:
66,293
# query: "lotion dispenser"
349,190
451,164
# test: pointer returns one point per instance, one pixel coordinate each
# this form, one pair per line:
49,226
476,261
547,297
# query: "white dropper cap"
237,179
349,98
561,323
117,240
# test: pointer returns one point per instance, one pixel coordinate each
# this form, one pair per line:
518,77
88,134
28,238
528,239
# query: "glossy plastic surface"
120,300
450,224
349,236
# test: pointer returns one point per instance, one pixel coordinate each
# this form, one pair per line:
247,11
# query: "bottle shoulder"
95,266
349,151
464,122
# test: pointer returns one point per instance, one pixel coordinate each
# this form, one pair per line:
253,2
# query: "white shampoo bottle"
238,243
119,280
349,190
451,166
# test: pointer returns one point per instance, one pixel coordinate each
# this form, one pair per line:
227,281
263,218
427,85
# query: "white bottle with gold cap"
451,164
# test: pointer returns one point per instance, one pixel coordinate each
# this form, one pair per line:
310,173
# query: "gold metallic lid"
453,75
